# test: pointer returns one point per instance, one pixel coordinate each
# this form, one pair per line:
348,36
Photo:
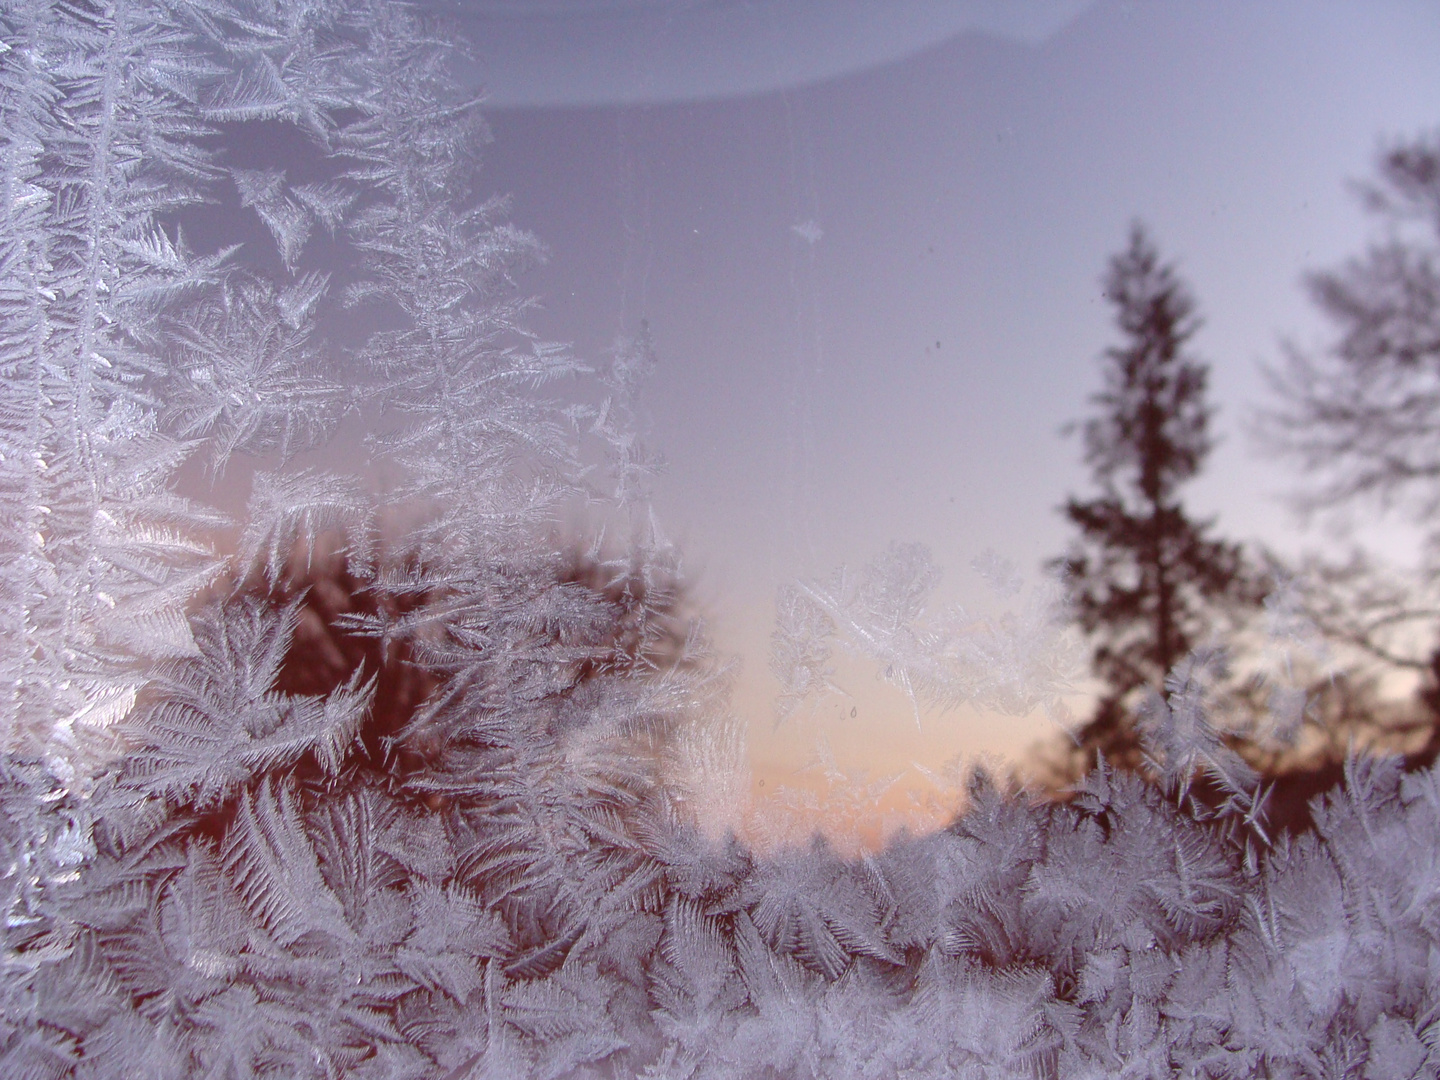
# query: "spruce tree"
1144,578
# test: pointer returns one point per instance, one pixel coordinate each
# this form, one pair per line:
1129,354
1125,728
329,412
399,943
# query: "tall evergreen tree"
1144,579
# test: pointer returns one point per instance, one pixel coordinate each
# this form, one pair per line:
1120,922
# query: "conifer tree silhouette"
1144,578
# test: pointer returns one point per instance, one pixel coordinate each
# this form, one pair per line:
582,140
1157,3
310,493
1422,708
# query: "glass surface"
514,554
872,271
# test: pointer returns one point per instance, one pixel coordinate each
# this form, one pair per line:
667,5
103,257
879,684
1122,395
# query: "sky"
872,277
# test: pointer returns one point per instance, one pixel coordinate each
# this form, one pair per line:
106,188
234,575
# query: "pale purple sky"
906,375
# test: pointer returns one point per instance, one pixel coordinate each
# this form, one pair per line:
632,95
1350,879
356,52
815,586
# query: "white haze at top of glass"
602,52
